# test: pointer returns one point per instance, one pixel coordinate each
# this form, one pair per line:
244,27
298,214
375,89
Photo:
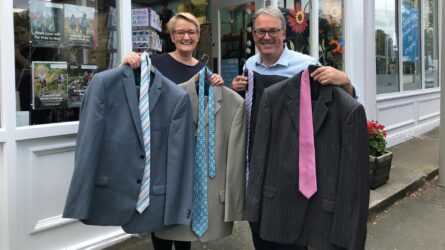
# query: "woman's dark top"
175,71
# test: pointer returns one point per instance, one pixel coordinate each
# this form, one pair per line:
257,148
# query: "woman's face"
185,36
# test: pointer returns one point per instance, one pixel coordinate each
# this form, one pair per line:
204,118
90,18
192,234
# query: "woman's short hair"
181,15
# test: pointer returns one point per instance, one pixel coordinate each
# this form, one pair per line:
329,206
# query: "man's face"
269,43
21,36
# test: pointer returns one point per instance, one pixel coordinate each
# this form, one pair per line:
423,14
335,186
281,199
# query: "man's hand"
216,80
329,75
133,59
239,83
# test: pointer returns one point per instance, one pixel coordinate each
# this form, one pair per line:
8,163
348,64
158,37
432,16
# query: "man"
274,59
269,33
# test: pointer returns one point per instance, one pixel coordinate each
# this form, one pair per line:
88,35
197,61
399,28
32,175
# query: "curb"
412,187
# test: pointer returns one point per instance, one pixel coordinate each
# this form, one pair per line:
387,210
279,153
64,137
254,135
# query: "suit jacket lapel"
218,101
190,88
132,99
155,90
293,103
293,99
218,98
320,109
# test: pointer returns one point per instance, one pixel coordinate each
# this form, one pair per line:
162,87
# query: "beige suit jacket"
226,190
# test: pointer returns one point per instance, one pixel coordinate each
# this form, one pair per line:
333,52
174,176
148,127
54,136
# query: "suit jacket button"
139,181
142,156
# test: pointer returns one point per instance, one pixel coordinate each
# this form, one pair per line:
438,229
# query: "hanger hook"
205,56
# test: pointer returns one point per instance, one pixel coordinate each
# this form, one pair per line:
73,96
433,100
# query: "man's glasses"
271,32
181,33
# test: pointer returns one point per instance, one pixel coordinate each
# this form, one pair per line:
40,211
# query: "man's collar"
283,60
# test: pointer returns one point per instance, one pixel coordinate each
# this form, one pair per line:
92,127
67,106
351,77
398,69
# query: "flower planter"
379,168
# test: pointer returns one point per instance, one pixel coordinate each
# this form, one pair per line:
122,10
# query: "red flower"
297,19
377,138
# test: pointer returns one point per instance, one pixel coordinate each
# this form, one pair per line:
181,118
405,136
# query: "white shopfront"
400,88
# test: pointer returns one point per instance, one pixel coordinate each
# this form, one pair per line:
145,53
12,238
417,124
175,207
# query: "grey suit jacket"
336,215
109,158
226,189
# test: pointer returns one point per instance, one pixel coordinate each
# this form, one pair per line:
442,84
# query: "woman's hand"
133,59
216,80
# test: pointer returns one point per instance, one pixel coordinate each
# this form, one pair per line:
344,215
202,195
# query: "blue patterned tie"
211,103
249,100
144,111
200,197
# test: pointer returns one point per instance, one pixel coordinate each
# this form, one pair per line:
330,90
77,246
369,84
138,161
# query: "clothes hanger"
315,87
207,74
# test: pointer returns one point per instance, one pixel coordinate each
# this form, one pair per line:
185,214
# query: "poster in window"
49,85
79,79
79,26
410,31
46,20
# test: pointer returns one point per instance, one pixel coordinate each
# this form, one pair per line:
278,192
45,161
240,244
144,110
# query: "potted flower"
379,157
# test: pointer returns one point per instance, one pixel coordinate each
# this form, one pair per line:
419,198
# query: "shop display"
49,81
146,24
78,81
79,26
46,24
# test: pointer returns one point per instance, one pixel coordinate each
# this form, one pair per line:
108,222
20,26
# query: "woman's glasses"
181,33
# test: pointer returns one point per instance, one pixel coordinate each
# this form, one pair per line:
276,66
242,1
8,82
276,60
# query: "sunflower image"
297,19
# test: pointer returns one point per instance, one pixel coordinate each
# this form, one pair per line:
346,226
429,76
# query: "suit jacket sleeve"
180,160
258,165
235,171
88,145
351,212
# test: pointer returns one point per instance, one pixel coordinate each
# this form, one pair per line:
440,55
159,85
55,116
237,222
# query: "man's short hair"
271,11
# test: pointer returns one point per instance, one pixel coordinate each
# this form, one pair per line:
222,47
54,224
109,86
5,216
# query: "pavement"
415,162
415,222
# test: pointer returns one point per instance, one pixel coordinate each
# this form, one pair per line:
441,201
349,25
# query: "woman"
178,66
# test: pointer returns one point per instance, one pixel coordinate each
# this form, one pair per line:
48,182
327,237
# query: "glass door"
235,43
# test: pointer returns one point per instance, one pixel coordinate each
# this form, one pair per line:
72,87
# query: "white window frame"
408,93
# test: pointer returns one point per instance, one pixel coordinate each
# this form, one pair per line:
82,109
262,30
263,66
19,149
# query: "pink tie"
306,163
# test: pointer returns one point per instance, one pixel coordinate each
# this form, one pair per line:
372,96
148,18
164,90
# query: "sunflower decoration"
297,19
333,12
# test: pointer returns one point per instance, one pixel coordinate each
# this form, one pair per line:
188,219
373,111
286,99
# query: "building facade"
389,48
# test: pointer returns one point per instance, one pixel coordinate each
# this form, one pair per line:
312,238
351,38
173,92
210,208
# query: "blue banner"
410,33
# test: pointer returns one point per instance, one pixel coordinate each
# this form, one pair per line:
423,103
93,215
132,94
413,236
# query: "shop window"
60,45
387,56
431,32
331,29
412,72
331,33
152,35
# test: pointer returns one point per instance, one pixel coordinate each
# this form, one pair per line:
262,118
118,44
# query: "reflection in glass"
236,39
411,45
331,33
387,57
431,43
296,14
56,46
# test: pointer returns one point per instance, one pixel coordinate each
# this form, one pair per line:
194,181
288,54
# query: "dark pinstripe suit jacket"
335,217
